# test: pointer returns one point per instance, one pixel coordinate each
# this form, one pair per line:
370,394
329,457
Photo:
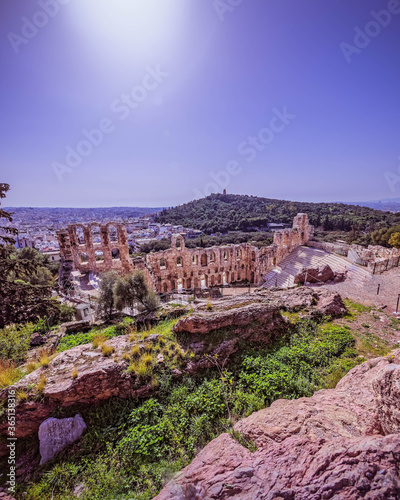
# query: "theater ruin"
102,247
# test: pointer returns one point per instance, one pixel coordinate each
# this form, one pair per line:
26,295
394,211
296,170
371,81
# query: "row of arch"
205,259
99,256
95,234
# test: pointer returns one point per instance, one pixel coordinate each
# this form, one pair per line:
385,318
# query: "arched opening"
172,284
180,284
203,260
99,255
253,256
80,236
274,261
115,253
163,263
252,277
95,233
196,282
179,261
178,243
204,281
212,257
219,279
112,233
195,260
212,280
225,255
189,283
165,288
83,257
225,278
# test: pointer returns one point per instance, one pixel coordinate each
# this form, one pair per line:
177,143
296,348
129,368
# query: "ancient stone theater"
103,247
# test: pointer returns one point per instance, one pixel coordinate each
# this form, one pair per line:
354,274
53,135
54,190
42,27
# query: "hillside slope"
219,212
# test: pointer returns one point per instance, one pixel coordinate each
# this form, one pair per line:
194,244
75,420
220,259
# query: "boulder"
56,434
315,275
341,443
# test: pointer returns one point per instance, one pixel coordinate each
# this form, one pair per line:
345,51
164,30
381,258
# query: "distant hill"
219,212
387,205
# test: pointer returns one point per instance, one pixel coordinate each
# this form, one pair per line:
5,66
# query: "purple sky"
204,84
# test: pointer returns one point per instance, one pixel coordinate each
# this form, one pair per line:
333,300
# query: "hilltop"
230,212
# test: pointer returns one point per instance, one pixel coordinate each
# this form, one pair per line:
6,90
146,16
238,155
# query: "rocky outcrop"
263,306
57,433
320,274
341,443
84,375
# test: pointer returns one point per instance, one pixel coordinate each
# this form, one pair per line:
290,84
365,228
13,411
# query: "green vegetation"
27,279
131,447
223,213
130,290
95,335
256,238
15,341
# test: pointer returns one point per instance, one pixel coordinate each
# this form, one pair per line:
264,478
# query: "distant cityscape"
37,226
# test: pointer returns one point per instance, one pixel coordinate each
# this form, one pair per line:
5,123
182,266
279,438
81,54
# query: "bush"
15,341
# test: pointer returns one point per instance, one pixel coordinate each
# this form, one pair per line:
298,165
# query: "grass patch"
9,373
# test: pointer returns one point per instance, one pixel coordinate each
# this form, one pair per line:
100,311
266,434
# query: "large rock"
320,274
56,434
341,443
263,307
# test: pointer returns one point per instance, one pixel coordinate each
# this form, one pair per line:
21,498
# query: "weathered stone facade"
179,267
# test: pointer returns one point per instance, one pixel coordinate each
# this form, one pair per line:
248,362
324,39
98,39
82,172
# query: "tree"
25,285
106,299
394,240
132,291
6,233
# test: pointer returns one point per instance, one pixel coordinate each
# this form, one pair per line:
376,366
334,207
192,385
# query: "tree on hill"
394,240
230,212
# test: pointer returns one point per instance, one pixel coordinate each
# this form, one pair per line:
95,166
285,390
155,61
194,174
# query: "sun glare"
145,27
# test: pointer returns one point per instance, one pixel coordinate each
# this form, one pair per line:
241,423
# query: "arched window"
115,253
84,257
179,261
203,259
212,257
253,256
99,255
163,263
195,260
95,231
113,233
80,235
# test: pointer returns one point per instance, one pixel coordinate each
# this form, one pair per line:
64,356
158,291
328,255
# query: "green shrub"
15,341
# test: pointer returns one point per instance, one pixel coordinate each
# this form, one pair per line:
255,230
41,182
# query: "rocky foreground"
341,443
84,375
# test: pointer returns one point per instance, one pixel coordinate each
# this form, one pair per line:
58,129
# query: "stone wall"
178,267
375,258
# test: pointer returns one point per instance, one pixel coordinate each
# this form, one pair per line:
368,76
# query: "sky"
158,102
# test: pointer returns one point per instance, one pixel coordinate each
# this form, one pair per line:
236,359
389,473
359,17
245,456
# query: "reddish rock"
315,275
341,443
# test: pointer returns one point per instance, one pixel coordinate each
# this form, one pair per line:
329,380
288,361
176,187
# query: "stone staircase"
283,275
